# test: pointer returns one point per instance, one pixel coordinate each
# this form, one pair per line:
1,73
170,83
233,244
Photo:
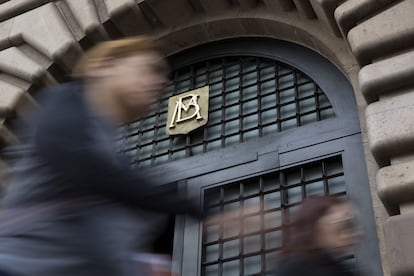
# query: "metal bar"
240,101
325,179
223,100
302,183
220,257
241,227
259,97
297,106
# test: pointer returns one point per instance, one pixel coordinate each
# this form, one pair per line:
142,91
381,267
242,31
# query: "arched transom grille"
250,97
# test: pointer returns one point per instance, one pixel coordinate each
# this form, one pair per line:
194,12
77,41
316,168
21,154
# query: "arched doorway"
283,125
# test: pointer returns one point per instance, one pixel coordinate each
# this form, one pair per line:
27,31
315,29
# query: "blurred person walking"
74,206
321,234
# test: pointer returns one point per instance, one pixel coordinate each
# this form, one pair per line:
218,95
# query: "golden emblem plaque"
187,111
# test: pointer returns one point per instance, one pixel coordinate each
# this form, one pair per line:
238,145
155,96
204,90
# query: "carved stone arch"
310,36
47,36
40,41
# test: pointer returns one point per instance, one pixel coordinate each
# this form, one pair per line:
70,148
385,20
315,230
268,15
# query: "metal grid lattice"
263,206
249,97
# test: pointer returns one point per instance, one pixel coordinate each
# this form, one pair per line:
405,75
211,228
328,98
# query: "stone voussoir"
45,30
399,243
390,127
14,62
10,96
351,12
127,17
324,10
386,76
386,33
395,185
5,29
16,7
305,9
85,13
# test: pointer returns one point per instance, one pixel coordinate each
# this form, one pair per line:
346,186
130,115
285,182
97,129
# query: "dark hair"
300,233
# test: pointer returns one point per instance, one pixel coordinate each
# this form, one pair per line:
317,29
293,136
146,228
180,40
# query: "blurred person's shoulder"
59,92
59,102
53,99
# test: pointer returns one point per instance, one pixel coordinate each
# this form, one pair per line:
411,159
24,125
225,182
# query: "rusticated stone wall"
371,41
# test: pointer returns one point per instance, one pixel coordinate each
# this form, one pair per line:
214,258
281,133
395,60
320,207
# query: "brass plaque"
187,111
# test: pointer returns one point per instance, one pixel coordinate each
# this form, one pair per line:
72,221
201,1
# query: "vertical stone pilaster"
379,34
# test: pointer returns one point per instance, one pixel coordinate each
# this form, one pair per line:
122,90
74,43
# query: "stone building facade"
369,41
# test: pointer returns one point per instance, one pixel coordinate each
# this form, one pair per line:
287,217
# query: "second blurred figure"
323,231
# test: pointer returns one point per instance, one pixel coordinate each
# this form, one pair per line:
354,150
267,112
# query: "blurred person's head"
325,224
124,77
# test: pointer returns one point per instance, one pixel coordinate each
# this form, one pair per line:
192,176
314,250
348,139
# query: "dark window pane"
255,232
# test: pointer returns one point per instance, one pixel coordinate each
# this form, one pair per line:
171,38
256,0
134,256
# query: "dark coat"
321,265
74,207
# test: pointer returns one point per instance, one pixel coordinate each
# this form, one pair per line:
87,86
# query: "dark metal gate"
283,125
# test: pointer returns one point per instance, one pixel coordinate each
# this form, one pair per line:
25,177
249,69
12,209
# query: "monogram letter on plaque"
187,111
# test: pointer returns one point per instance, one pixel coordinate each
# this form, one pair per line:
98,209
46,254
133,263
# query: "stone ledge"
16,7
351,12
5,29
387,75
399,243
10,97
388,32
395,185
45,30
14,62
86,15
390,127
